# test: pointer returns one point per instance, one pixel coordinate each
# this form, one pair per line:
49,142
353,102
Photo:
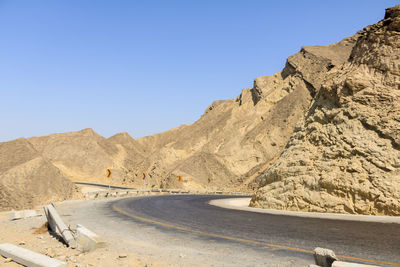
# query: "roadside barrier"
137,192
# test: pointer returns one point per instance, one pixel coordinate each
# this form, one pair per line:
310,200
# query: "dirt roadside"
31,233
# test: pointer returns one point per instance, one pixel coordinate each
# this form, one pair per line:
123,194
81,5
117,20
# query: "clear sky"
148,66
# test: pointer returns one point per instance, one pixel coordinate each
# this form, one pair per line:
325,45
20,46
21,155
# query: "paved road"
379,242
161,246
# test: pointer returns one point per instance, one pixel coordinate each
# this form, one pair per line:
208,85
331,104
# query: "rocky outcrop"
345,155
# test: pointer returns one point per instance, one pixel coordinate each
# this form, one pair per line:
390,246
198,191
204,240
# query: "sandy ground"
31,233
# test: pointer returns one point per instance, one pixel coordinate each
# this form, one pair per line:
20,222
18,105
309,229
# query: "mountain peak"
392,12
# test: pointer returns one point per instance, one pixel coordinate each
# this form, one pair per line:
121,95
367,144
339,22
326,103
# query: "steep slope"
345,155
27,179
234,139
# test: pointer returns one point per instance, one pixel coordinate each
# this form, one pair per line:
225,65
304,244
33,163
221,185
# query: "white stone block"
56,224
87,240
28,258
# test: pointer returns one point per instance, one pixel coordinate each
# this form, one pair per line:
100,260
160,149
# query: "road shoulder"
243,204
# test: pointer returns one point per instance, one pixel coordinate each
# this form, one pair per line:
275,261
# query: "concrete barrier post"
56,224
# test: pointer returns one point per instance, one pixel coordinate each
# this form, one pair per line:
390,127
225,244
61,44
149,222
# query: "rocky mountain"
321,135
227,148
344,156
237,139
232,140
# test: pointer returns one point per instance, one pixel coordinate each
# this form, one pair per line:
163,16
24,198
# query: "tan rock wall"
345,155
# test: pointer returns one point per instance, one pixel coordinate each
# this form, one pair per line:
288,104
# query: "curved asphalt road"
365,242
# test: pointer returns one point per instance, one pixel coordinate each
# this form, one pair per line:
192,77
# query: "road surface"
365,242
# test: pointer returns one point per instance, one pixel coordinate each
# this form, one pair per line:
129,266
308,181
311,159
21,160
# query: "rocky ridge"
345,154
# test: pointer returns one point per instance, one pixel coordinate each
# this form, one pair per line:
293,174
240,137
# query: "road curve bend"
363,242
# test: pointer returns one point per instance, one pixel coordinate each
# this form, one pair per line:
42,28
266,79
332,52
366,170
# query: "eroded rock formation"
345,155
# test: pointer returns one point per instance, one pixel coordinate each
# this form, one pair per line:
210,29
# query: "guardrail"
138,192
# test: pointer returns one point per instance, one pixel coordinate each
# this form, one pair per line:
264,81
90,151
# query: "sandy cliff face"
345,155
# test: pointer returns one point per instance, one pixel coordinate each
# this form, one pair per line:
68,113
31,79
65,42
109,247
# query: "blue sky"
148,66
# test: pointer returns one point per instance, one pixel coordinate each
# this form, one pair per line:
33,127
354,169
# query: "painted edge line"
115,208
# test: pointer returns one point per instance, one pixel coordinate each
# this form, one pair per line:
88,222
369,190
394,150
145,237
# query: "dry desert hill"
321,135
